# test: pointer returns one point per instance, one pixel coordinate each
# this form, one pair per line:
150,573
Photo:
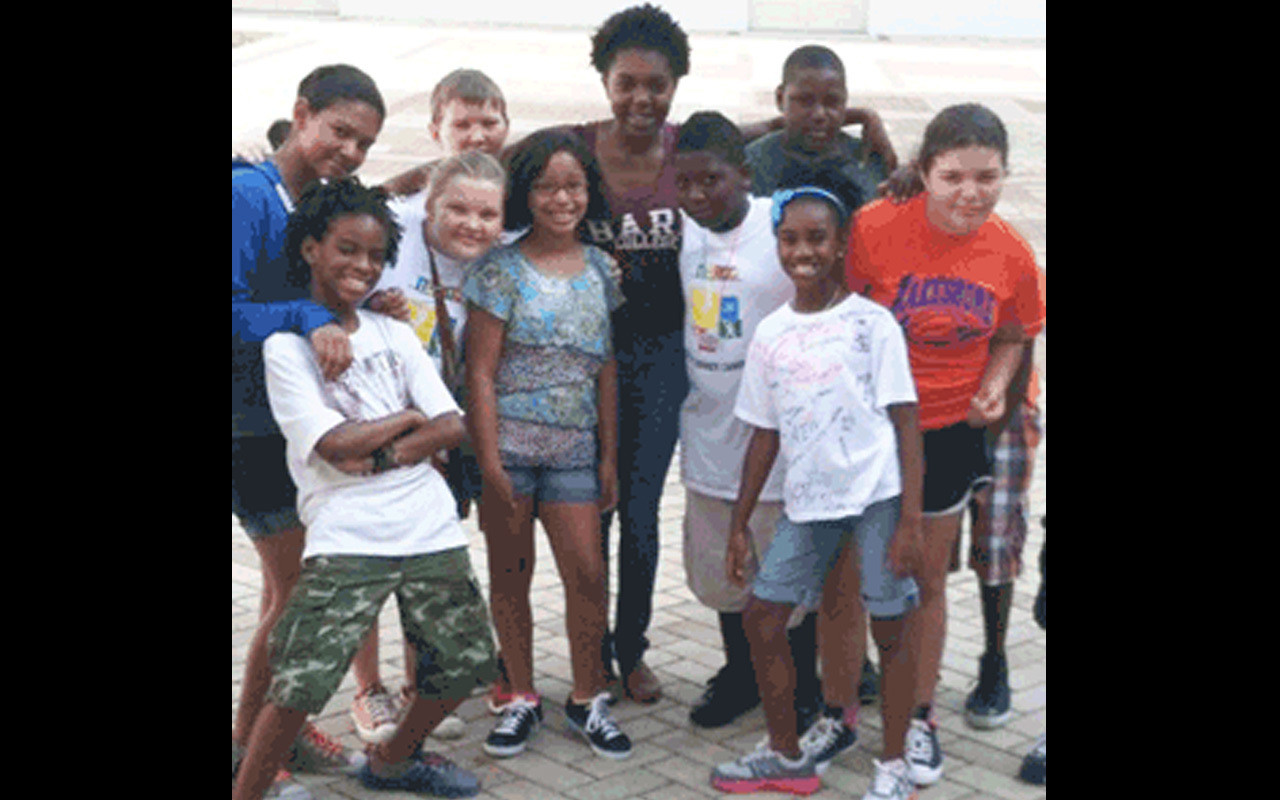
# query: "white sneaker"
376,715
893,782
924,753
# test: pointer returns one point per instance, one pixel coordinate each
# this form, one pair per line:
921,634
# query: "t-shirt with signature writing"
825,382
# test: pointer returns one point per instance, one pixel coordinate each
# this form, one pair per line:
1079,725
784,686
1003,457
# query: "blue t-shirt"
558,336
264,298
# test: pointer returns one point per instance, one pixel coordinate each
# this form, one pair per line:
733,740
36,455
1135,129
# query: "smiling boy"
814,101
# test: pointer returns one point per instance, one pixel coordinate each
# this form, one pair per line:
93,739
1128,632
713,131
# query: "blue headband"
784,198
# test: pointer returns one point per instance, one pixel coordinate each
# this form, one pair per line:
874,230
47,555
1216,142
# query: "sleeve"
426,387
894,384
755,404
1028,306
491,286
857,267
253,322
611,274
295,391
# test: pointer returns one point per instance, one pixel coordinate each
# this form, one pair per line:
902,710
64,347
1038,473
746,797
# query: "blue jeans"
652,384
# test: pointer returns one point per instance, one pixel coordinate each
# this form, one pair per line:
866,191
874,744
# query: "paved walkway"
547,78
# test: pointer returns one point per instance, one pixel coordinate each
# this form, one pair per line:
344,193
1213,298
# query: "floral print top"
558,336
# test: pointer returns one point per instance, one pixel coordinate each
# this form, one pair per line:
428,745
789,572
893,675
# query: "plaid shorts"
338,601
1001,524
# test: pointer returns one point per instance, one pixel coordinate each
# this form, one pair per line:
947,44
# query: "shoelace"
920,742
822,735
516,715
887,778
330,749
601,721
381,707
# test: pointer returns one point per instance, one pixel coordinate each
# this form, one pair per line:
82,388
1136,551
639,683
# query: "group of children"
801,436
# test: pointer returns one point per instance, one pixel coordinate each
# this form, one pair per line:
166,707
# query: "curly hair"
645,27
326,200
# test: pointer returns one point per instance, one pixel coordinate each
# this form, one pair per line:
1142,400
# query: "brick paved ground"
546,77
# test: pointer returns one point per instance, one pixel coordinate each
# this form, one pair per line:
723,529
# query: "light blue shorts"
547,485
802,555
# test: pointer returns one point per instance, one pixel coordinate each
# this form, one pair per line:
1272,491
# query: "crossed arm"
400,440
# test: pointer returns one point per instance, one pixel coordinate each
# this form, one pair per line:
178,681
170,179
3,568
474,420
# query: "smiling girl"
542,397
966,289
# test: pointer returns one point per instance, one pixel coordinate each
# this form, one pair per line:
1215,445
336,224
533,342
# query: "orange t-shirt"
950,294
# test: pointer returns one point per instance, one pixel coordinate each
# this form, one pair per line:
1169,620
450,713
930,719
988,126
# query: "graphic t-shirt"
950,294
403,512
825,382
732,281
645,239
412,275
558,336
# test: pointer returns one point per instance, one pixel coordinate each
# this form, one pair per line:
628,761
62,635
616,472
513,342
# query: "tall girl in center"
543,406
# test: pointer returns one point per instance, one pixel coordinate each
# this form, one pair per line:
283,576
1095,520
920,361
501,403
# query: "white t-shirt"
732,281
412,274
403,512
825,381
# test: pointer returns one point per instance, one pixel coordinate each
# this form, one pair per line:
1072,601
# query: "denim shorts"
263,496
795,569
548,485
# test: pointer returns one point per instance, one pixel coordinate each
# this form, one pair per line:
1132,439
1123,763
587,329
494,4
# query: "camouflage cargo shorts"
337,603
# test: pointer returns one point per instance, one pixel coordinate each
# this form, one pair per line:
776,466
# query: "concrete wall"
1004,18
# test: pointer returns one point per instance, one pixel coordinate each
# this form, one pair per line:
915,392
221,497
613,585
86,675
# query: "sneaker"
375,714
1033,768
767,771
991,704
869,684
426,774
728,697
827,739
519,722
893,782
317,753
451,729
597,725
924,752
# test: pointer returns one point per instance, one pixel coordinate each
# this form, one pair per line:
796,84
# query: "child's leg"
512,559
273,734
766,624
574,531
898,687
336,603
842,628
281,557
442,612
930,631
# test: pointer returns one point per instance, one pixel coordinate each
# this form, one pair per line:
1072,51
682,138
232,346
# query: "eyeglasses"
785,197
552,189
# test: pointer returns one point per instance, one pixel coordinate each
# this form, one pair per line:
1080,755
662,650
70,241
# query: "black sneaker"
827,739
991,704
520,720
596,724
869,685
728,697
1033,768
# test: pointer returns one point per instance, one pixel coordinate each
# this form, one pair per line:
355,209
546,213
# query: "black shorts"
263,496
957,461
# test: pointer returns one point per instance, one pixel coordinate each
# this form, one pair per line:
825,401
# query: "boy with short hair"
814,101
732,280
380,518
468,112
